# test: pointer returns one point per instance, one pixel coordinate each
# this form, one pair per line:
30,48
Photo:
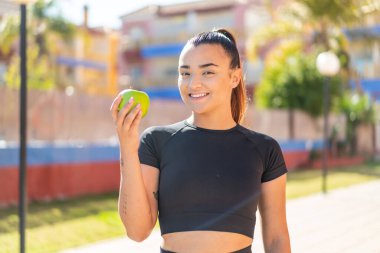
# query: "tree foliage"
40,74
43,27
290,78
337,12
316,22
292,81
8,34
45,24
358,109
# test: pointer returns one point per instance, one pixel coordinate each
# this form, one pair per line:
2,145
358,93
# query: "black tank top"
210,179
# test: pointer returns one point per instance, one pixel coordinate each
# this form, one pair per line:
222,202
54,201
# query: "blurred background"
82,53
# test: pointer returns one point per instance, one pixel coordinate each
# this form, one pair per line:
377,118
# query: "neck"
212,121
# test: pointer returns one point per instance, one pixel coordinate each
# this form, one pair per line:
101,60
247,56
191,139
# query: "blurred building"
364,49
7,6
152,37
89,61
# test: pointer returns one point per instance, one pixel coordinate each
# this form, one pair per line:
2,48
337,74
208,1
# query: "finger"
117,99
127,107
136,122
123,113
114,110
131,116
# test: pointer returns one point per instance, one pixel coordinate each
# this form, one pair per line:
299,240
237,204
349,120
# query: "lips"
198,95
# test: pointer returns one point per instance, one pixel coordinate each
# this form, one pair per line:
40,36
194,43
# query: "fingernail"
130,100
138,106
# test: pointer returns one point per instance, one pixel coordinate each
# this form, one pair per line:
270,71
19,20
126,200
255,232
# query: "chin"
196,109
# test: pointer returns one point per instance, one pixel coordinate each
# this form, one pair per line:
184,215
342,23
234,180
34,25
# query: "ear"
236,77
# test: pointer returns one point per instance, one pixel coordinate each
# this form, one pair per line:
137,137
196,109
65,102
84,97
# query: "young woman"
203,177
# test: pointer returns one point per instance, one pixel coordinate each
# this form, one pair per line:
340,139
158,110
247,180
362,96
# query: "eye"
184,74
208,73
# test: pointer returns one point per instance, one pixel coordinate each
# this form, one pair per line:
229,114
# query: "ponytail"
239,102
239,93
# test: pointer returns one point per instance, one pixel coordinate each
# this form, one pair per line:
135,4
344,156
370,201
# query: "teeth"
198,95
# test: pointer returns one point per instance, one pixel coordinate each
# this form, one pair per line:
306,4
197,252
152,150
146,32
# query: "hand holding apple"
139,97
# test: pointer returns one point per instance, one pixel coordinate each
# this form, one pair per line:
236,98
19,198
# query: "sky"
105,12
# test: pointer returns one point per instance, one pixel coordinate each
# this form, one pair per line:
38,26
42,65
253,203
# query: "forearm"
134,208
272,207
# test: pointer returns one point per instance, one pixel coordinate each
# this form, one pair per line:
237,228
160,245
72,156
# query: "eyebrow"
200,66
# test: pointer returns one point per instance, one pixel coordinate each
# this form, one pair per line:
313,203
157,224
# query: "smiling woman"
205,176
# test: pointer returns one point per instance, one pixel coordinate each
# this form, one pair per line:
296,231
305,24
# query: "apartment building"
89,62
364,49
152,37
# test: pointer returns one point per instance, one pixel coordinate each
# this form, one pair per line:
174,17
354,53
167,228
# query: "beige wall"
365,140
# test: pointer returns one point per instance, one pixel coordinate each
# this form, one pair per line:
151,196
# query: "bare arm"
137,202
272,208
138,182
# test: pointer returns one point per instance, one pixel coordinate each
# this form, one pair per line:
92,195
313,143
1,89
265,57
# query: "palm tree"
45,24
42,27
312,21
317,25
41,24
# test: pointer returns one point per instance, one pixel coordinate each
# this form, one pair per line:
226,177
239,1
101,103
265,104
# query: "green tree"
313,22
292,81
45,24
8,35
43,27
358,109
40,76
315,26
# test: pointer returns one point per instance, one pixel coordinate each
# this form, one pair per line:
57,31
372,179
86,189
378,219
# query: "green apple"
139,97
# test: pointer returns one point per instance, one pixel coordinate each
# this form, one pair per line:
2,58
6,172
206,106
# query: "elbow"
137,236
278,245
137,232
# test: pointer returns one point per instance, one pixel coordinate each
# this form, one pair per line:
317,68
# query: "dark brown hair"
227,41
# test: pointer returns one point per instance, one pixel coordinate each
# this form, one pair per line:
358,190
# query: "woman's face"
205,79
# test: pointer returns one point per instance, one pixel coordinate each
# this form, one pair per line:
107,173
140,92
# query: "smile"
199,95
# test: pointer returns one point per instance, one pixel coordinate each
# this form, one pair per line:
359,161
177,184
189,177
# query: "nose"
194,82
